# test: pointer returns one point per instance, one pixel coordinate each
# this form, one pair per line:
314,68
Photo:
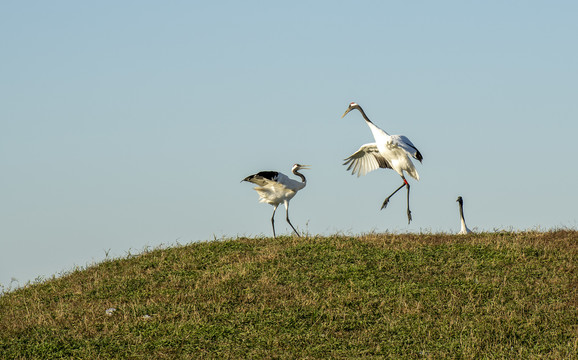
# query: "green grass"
427,296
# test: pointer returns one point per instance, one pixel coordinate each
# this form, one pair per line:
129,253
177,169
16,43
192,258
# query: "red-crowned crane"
276,188
388,152
464,230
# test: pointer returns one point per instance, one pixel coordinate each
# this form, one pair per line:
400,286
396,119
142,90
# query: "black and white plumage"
387,152
276,188
464,228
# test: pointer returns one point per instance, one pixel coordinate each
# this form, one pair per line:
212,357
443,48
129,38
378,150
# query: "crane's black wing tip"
418,155
271,175
261,177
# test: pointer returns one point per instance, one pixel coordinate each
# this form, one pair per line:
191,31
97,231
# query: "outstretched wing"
403,142
263,178
366,159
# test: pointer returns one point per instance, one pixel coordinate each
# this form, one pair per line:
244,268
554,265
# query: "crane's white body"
388,151
276,188
464,230
277,191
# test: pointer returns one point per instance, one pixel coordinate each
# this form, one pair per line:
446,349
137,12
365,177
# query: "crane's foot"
408,216
385,202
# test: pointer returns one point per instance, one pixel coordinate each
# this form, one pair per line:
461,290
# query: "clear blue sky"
127,125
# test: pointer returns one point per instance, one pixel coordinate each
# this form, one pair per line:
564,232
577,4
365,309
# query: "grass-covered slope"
499,295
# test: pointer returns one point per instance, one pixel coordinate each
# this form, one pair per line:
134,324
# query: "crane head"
352,106
460,200
298,167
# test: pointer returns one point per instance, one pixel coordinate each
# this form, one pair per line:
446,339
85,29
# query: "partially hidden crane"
464,228
276,188
388,152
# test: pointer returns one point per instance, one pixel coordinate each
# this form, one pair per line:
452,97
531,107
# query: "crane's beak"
345,113
306,167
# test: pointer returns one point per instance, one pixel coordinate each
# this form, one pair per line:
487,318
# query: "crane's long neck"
464,227
303,180
363,114
378,134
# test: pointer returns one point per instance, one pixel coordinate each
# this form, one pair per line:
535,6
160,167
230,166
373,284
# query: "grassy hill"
426,296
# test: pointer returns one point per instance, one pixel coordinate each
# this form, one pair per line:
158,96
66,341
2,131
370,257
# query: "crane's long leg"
386,201
273,220
408,211
287,211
